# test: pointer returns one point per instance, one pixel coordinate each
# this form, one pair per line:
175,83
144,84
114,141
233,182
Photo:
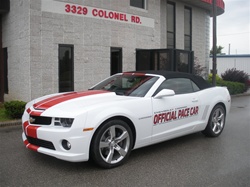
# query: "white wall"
240,62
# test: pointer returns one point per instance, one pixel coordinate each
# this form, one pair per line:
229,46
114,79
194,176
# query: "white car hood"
74,103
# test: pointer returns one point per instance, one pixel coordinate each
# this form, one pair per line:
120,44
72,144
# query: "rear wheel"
112,144
216,122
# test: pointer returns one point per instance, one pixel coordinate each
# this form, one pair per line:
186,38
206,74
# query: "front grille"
41,143
40,120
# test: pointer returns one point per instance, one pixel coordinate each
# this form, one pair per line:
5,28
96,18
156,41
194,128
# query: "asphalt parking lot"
193,160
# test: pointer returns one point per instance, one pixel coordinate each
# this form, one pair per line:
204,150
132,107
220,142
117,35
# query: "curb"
19,121
11,123
239,95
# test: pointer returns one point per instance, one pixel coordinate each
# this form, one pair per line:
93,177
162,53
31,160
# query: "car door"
175,115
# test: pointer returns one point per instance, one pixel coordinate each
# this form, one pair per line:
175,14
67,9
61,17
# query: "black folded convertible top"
200,82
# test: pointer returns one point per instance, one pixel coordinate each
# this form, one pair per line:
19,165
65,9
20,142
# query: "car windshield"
128,85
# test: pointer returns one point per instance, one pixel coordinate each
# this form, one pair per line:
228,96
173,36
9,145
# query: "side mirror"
164,93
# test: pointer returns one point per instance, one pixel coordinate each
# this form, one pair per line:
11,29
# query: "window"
66,68
171,25
188,29
115,60
138,3
179,85
143,60
5,70
182,60
164,59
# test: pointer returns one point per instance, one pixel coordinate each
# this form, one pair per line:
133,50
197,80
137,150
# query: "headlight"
64,122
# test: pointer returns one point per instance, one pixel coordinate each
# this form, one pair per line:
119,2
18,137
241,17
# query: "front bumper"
47,139
72,155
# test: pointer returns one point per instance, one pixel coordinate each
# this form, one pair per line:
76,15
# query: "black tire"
111,144
216,122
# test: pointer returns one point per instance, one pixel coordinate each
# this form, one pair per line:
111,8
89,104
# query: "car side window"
179,85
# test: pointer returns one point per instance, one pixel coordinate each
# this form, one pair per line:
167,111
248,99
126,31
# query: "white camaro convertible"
124,112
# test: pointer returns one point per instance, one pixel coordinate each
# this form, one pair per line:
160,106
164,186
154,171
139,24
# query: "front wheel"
112,144
216,122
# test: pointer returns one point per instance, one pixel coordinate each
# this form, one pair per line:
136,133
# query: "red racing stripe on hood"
49,102
35,113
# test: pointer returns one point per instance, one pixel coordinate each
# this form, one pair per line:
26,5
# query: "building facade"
50,46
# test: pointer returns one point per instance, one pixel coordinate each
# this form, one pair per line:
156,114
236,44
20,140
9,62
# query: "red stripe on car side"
47,103
32,131
33,147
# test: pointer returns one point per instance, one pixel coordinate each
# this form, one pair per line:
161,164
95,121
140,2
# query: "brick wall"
32,39
16,37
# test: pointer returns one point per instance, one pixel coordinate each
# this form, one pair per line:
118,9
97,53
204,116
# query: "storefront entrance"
165,59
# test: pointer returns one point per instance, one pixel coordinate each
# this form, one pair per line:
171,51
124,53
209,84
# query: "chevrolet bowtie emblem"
32,120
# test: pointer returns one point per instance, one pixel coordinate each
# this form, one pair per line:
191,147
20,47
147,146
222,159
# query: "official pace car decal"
174,114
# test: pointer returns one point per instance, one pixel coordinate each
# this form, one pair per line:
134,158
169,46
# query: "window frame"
144,2
5,70
169,32
188,35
